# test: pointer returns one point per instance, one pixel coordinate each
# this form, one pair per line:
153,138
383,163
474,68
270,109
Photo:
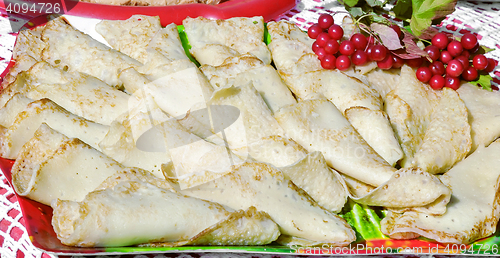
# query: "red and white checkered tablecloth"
482,18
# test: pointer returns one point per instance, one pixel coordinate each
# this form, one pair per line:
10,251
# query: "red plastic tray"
269,9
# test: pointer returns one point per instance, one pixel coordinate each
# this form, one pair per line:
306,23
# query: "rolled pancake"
483,113
356,187
177,93
375,128
219,75
46,111
383,81
265,187
241,70
130,36
313,175
318,125
255,121
409,107
133,141
132,173
176,87
14,106
17,86
473,211
168,43
52,166
133,212
79,93
340,89
407,188
195,160
23,63
213,54
73,50
244,35
133,80
288,44
119,144
164,66
447,139
277,150
308,171
191,111
29,42
269,85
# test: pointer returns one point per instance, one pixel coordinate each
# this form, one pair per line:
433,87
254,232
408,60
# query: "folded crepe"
241,70
318,125
288,45
45,111
301,70
407,189
447,139
135,212
383,81
176,93
52,166
29,42
79,93
409,107
473,211
133,141
194,160
255,121
130,36
483,113
375,128
167,42
340,89
226,38
72,50
265,187
308,171
319,181
15,105
23,63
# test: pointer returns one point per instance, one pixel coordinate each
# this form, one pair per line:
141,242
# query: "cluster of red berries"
448,60
334,52
452,60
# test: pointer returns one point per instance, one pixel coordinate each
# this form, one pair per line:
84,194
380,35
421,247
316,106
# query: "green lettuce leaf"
425,11
484,81
350,3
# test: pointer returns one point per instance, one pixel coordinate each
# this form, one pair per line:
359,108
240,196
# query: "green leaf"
484,81
484,50
374,3
424,11
350,3
364,219
403,9
185,44
356,11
